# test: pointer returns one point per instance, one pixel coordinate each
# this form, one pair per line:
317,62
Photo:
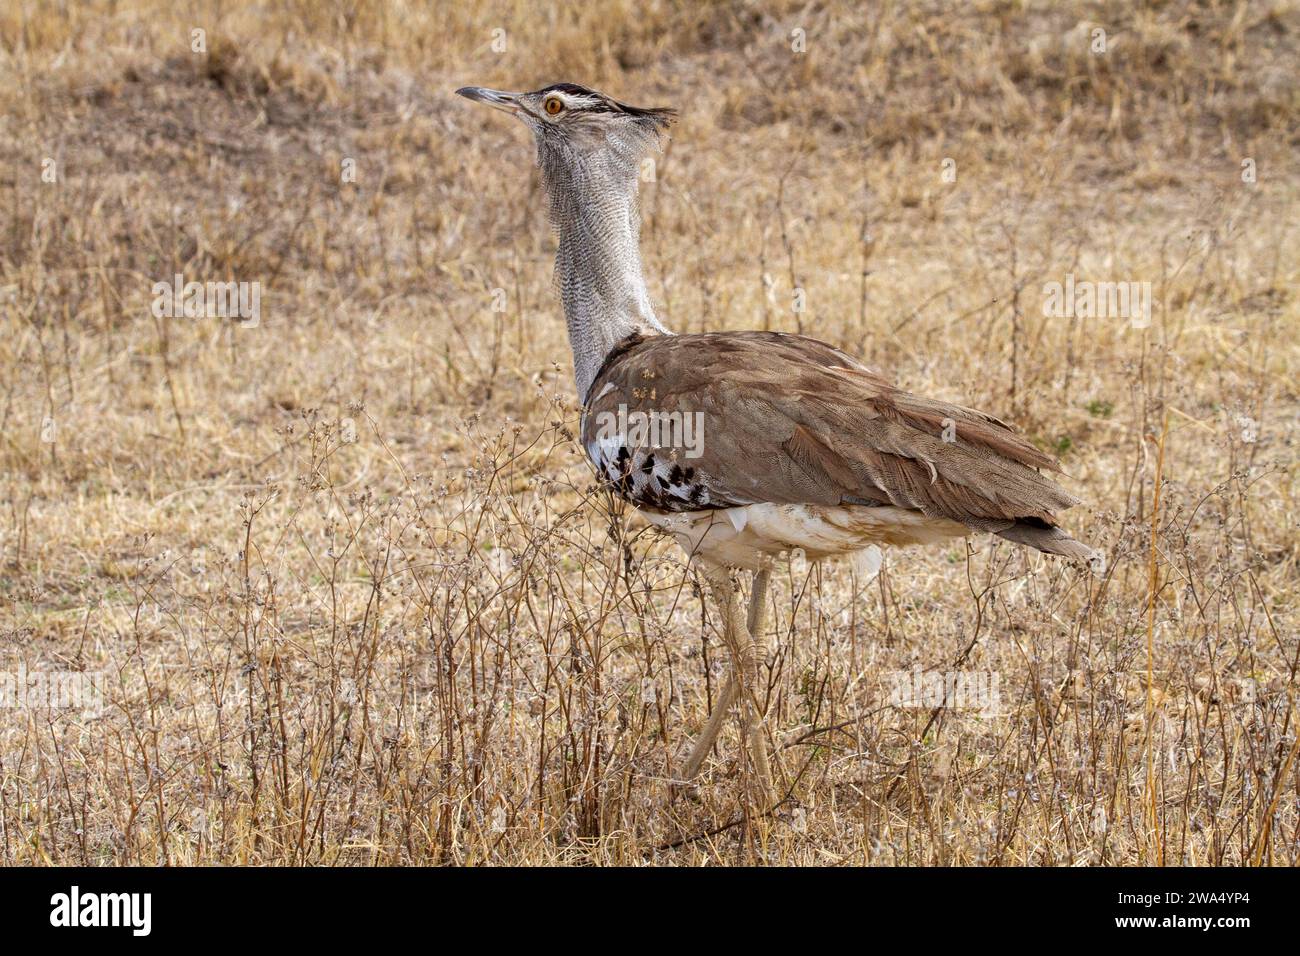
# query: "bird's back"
722,420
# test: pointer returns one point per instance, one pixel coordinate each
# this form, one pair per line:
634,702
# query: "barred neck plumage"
593,205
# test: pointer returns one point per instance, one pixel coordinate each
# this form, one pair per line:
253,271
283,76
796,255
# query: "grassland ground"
341,576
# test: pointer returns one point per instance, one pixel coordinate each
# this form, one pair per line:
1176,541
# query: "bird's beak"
509,102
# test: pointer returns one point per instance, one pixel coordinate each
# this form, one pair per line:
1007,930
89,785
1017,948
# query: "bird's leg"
711,729
744,655
757,595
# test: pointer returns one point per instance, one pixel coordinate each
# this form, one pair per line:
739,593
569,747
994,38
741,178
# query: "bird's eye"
554,106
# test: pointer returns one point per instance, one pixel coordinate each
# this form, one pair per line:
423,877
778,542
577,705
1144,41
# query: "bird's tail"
1045,537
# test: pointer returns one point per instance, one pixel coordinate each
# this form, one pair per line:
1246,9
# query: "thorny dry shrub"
344,581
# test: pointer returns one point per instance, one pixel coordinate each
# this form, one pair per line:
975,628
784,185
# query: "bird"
747,447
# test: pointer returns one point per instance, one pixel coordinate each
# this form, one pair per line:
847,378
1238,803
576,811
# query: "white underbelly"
751,536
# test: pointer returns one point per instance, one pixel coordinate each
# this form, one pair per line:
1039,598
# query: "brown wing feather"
788,419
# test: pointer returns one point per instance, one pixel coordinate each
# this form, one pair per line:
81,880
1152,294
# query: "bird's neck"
598,262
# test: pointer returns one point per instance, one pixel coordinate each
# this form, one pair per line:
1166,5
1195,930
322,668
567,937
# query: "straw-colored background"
437,642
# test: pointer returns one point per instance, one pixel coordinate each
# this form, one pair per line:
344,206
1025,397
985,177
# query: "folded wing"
787,419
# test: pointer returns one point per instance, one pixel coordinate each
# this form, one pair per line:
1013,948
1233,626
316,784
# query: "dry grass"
438,642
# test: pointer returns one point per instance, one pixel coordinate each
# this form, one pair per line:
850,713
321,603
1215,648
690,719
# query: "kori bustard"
798,446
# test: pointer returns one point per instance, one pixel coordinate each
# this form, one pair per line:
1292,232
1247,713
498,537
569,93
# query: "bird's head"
574,126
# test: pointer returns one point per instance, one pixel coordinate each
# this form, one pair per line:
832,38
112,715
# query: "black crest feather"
659,117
